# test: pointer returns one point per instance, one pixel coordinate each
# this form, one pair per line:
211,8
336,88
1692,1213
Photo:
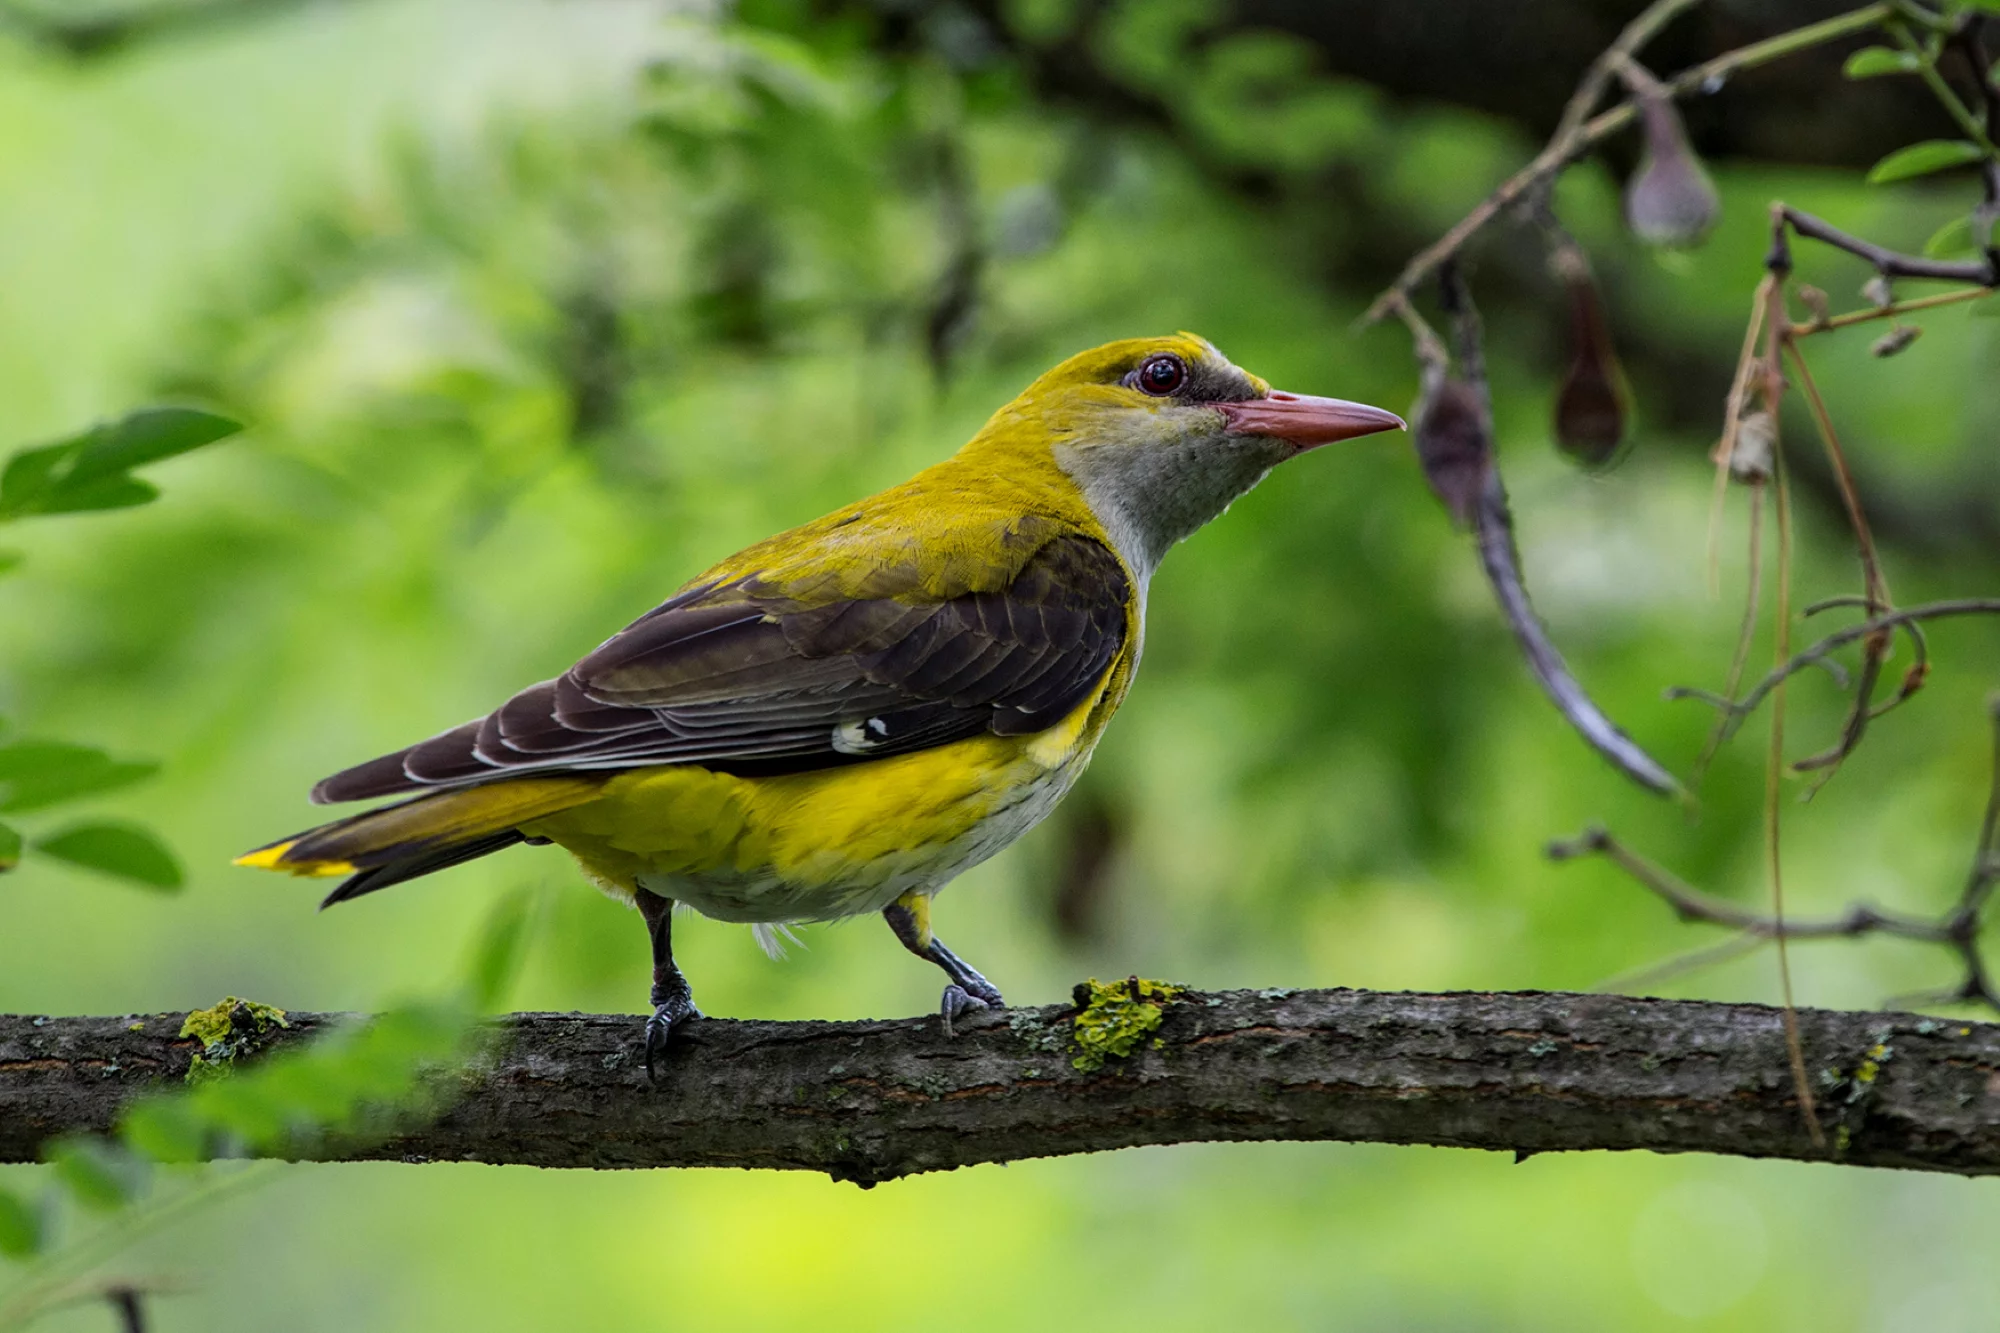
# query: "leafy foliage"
93,470
85,472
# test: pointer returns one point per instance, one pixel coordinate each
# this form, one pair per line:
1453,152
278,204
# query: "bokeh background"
534,309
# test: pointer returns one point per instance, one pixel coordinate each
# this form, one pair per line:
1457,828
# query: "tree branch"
871,1101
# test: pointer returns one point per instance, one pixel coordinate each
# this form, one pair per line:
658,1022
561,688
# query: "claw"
959,1001
660,1029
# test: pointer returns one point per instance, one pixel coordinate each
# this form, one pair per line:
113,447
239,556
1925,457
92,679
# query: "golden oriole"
844,717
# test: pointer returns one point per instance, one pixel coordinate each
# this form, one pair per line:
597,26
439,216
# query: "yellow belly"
829,843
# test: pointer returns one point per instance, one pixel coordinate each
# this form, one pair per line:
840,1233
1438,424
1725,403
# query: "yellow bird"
845,717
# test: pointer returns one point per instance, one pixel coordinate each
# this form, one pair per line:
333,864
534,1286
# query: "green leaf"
1985,6
1921,159
1874,61
146,436
123,850
10,559
10,848
90,471
34,774
1953,238
20,1226
98,1172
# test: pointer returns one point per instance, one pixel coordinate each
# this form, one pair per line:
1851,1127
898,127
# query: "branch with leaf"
88,473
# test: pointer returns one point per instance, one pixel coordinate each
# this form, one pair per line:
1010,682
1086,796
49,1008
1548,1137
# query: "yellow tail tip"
273,858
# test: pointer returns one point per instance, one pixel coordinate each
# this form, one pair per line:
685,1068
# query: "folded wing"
754,677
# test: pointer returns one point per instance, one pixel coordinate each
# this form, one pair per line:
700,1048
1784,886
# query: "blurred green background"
535,309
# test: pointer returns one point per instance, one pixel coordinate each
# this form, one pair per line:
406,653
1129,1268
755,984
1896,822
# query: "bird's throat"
1150,497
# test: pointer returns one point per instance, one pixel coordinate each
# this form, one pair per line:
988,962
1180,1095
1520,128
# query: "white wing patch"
860,736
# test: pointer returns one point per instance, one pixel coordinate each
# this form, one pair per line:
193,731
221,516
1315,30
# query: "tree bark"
871,1101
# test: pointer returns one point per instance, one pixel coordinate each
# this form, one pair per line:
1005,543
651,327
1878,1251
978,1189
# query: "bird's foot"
968,997
668,1014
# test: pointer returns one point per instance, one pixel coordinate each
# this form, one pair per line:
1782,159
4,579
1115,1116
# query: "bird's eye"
1162,375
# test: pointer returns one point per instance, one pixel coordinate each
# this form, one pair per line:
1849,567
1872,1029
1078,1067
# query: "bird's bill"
1306,421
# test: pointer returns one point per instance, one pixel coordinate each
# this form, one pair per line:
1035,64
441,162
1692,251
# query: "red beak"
1306,421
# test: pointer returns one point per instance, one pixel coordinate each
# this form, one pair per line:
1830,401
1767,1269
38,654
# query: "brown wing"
743,678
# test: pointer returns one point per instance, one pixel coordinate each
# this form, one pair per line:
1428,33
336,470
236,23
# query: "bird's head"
1160,434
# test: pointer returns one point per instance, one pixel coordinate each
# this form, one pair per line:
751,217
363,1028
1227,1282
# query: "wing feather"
753,676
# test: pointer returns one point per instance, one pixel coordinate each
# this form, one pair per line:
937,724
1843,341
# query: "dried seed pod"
1895,340
1670,200
1455,446
1814,300
1590,406
1756,441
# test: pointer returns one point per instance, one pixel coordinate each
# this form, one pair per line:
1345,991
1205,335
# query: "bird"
841,719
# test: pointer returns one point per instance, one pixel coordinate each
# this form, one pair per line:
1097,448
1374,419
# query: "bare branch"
1890,263
871,1101
1957,928
1819,652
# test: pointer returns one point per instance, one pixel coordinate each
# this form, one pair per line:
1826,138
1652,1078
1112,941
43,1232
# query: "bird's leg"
673,1002
910,917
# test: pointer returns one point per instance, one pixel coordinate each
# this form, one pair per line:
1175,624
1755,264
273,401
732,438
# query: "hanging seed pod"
1590,406
1670,201
1454,446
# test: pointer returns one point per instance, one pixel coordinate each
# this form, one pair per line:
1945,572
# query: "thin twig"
1894,311
1774,325
1927,71
1680,964
1590,90
1957,928
1832,643
1692,905
1560,153
1732,426
1919,669
1889,263
1875,650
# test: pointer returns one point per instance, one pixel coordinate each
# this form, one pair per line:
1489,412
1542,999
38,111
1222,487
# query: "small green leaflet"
92,470
100,1174
10,560
34,774
115,849
1874,61
10,848
1921,159
20,1226
1985,6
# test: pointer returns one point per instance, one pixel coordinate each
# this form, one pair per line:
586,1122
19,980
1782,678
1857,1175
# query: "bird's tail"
393,843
